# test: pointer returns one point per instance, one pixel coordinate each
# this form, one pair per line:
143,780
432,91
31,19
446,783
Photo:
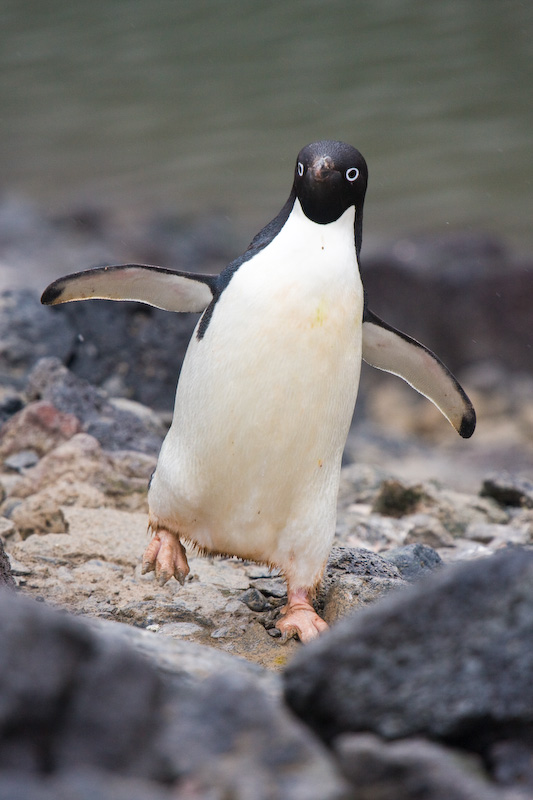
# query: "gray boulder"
412,769
117,426
485,289
449,658
28,332
74,699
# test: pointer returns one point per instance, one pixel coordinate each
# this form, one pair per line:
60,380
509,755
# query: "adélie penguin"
251,463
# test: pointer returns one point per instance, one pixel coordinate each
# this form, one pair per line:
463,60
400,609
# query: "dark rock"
449,658
357,561
413,560
53,382
254,599
101,341
74,699
396,500
142,346
231,736
511,762
9,405
509,490
485,292
81,784
354,577
69,699
136,348
411,770
6,576
29,332
115,428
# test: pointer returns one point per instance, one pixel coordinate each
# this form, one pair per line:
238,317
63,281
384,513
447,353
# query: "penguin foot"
300,619
166,556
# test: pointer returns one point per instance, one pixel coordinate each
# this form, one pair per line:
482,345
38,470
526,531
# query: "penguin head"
329,178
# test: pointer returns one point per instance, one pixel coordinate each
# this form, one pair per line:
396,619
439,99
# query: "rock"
410,769
360,483
134,349
354,578
94,570
499,535
82,784
425,529
396,500
73,698
231,736
29,332
359,528
6,576
457,510
39,513
117,426
254,599
186,658
89,698
10,403
484,289
449,659
272,587
39,427
22,460
121,478
413,560
7,527
509,490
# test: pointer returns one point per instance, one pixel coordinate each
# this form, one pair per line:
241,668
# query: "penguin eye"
300,169
352,174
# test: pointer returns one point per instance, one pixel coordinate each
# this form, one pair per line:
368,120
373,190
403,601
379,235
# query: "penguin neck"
310,254
300,228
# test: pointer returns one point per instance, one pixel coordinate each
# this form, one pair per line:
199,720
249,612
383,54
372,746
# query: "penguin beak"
322,168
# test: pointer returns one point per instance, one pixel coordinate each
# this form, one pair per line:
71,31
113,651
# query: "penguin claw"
166,556
300,619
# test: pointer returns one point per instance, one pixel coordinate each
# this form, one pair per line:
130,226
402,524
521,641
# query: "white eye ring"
300,169
352,174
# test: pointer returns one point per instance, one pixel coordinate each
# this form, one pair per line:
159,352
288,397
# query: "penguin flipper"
156,286
392,351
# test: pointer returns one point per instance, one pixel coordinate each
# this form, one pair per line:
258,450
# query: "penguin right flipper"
156,286
392,351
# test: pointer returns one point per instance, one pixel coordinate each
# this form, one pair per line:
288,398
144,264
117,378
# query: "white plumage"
251,463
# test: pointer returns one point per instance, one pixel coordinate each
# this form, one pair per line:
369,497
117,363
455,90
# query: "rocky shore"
114,687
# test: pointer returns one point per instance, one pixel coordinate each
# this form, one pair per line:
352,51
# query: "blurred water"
152,104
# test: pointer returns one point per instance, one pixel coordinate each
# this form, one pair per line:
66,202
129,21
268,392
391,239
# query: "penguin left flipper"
390,350
163,288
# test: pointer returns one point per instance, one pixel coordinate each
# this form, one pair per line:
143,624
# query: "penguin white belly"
250,466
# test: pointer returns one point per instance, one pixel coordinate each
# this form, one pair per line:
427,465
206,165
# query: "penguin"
251,464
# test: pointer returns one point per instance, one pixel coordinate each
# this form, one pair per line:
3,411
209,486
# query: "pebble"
22,460
254,599
273,587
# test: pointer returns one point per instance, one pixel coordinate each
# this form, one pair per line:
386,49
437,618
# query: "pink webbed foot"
300,618
166,556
